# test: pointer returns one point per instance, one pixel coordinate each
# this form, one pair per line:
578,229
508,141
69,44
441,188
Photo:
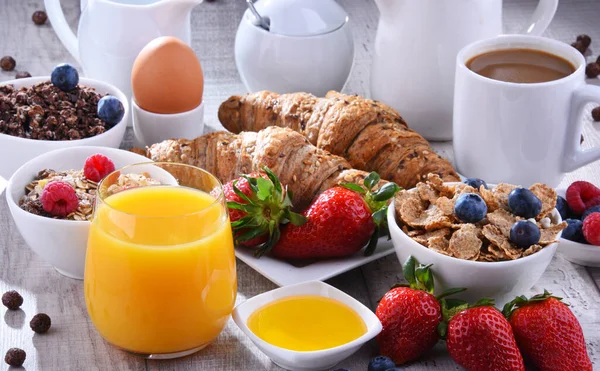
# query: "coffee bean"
8,63
39,17
596,113
585,40
22,75
592,70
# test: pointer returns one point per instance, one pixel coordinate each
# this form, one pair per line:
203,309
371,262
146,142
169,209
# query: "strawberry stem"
268,205
377,201
522,301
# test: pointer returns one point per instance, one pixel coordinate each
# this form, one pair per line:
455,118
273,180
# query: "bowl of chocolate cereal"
37,116
51,199
494,240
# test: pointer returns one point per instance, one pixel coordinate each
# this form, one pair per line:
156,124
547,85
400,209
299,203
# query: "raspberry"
581,196
591,229
97,167
59,199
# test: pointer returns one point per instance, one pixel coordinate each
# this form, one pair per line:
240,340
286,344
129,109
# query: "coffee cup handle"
574,157
541,18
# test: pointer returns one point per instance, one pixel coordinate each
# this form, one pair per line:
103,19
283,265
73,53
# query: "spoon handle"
262,22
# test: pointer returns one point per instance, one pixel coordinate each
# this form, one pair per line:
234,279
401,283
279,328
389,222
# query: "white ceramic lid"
302,17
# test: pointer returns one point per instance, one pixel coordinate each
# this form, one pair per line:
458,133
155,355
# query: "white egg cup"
150,128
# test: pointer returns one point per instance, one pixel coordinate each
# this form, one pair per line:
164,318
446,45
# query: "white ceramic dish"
283,273
317,360
62,243
16,151
578,253
501,281
150,128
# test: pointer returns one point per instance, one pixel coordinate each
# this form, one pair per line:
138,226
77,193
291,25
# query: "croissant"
370,135
304,168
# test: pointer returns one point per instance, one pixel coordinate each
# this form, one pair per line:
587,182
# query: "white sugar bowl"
308,47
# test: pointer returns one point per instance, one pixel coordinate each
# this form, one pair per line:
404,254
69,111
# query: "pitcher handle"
61,27
574,157
541,18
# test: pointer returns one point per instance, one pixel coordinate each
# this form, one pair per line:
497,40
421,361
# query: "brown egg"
167,77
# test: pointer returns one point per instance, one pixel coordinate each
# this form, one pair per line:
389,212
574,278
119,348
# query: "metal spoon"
260,21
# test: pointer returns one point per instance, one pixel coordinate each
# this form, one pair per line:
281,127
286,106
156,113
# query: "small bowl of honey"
307,326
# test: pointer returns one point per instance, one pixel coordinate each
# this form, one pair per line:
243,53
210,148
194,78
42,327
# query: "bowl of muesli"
494,240
37,117
56,227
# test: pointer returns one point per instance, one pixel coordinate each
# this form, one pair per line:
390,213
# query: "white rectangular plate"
282,273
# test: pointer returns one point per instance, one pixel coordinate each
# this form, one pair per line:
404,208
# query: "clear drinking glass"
160,277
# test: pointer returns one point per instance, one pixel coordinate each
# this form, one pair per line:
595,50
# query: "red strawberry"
581,196
591,229
548,333
479,338
257,205
410,315
339,222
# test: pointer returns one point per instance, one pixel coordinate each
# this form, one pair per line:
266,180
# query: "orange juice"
306,323
160,275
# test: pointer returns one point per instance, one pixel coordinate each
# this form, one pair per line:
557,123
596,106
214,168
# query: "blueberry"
523,202
524,233
593,209
65,77
574,231
563,208
394,369
475,183
110,110
470,208
381,363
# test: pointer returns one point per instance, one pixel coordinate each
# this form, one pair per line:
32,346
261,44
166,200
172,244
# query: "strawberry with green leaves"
548,333
339,222
479,338
410,315
258,204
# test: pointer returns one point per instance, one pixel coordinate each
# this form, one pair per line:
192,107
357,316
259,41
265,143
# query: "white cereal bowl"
16,151
501,281
150,127
314,360
61,243
578,253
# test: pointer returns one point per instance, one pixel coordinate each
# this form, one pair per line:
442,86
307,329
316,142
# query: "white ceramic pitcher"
111,33
415,54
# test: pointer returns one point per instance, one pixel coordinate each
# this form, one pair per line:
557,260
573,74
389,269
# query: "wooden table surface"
74,344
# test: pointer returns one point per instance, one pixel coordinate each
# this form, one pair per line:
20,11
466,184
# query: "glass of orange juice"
160,276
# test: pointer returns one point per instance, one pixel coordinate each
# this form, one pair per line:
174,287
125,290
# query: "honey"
306,323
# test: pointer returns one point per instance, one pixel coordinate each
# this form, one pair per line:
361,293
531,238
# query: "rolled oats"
85,190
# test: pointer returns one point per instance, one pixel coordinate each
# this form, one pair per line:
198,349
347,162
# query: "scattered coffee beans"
596,113
15,357
592,70
12,300
40,323
8,63
39,17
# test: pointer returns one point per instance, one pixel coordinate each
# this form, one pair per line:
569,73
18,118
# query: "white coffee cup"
520,133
